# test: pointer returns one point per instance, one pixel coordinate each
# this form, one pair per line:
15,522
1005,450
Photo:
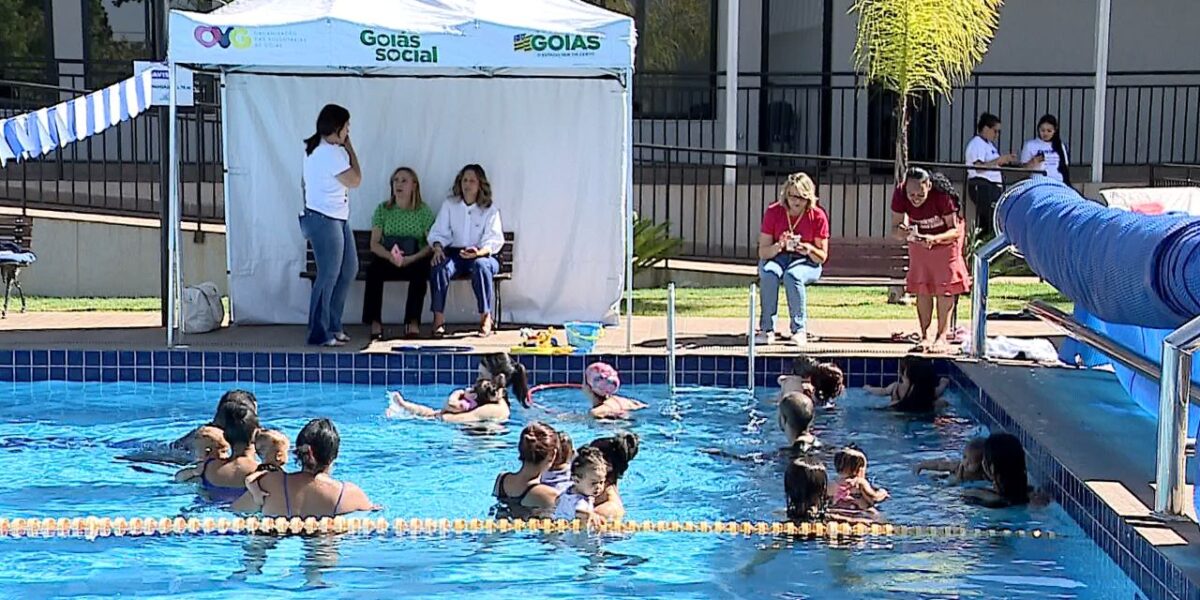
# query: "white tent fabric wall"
552,149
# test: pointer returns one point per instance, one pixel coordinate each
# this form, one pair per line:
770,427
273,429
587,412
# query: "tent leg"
1100,104
172,208
627,174
225,194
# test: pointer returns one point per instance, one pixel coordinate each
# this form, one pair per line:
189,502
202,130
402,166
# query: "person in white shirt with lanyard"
330,170
465,239
984,185
1046,152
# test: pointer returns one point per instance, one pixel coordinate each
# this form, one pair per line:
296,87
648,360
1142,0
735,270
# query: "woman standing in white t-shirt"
1046,152
330,170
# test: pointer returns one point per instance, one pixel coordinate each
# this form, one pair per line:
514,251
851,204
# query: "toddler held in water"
559,475
600,385
852,491
588,473
208,443
485,391
272,448
969,468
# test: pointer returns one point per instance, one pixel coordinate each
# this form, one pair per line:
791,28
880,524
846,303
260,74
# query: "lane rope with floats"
103,527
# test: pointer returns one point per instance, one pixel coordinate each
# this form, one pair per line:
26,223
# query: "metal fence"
1174,175
717,222
1150,116
118,171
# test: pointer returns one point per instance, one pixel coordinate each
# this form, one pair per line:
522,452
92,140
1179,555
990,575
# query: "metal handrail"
1101,342
829,158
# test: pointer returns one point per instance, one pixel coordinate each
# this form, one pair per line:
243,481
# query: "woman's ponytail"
520,384
311,142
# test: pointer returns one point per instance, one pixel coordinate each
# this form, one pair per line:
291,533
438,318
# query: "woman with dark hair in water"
224,479
618,451
521,494
312,492
1004,466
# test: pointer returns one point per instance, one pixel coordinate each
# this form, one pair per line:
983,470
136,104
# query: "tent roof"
423,16
326,35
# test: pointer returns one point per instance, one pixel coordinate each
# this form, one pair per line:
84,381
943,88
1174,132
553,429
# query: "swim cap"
603,379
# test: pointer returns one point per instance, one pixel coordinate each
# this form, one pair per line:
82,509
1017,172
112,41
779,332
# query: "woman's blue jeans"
337,266
483,273
795,274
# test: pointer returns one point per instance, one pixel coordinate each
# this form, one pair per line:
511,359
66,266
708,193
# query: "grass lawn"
835,302
824,302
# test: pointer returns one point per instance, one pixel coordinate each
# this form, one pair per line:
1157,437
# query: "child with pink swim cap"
600,385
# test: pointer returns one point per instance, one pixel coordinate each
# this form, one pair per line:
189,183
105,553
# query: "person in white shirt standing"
984,185
330,170
1046,152
465,238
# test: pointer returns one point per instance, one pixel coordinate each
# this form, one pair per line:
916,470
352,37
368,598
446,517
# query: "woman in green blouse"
398,232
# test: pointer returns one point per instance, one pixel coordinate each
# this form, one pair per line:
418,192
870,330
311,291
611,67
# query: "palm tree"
921,48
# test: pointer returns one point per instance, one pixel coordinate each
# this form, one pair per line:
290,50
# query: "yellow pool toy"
541,341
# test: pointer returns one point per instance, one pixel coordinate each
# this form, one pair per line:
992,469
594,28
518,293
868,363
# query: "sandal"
439,332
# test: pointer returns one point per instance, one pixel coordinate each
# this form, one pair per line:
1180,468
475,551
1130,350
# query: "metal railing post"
750,338
1173,390
979,271
671,381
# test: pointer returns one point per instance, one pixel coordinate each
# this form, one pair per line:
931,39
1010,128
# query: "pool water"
59,444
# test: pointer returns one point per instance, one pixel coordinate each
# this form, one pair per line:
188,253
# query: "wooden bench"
865,261
362,241
17,229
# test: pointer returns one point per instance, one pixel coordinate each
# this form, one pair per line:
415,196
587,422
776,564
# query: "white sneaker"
800,338
764,338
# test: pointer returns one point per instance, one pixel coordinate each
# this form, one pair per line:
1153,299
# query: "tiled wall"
394,369
1143,563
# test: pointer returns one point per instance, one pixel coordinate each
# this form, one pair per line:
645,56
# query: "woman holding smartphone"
792,245
1046,152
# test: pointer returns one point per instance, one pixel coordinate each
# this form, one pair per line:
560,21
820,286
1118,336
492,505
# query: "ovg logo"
556,43
210,36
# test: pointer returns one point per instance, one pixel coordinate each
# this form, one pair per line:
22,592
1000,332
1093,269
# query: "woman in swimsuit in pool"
521,494
311,492
224,479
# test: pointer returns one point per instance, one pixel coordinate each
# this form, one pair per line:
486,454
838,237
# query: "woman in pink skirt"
927,217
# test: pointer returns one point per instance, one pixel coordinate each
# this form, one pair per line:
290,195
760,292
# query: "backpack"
202,308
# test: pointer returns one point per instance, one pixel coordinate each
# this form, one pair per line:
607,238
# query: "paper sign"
160,83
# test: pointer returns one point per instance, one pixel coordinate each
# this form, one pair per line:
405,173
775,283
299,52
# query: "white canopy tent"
537,91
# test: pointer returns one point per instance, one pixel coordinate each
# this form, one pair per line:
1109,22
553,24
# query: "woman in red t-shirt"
928,219
792,246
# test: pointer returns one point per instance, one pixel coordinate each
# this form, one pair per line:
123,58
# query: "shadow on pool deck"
1086,420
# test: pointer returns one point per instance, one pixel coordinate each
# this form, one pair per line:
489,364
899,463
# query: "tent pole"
1100,104
627,175
731,90
172,195
225,192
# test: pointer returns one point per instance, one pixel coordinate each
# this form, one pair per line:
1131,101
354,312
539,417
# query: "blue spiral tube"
1120,266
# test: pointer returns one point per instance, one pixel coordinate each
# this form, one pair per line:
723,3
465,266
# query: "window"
676,56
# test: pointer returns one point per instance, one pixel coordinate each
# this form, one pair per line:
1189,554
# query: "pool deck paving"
694,335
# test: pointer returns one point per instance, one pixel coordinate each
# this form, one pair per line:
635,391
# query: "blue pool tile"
295,360
143,375
212,374
162,375
178,375
444,377
109,375
245,374
362,377
392,379
739,380
245,360
428,362
71,358
126,358
91,358
262,375
262,360
278,375
41,358
295,375
463,362
211,359
362,361
195,375
329,361
345,361
159,358
91,373
312,360
22,358
7,374
108,358
23,374
380,361
40,373
177,358
658,363
229,374
708,363
724,379
708,378
229,360
74,374
126,374
377,377
312,376
411,361
345,376
443,362
6,357
194,359
58,373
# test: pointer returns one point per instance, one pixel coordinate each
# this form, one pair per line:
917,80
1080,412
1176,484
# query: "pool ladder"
673,346
1174,377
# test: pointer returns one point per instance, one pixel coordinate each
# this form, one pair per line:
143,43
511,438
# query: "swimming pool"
59,441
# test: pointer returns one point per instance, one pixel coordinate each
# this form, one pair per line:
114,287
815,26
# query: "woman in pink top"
792,246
